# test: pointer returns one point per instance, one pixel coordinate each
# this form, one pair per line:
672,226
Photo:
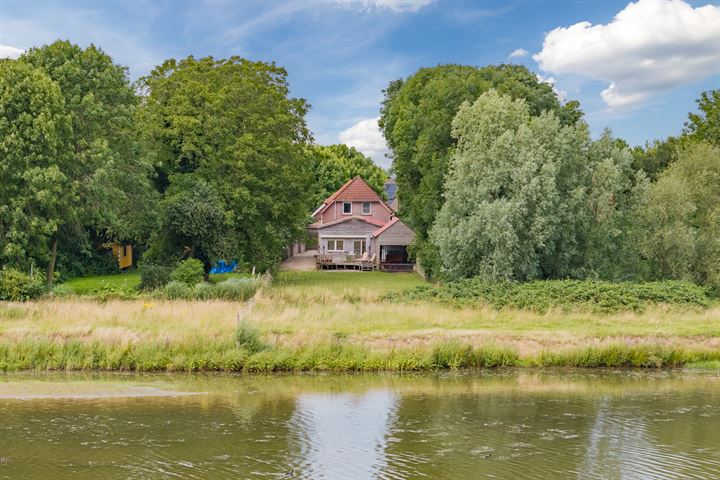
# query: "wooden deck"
329,263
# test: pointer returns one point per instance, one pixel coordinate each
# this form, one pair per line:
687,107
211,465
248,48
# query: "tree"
681,218
655,157
334,165
416,119
705,124
232,123
109,179
515,194
615,193
35,191
192,224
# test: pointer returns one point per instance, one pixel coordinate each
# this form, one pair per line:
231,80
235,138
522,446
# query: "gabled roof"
380,230
370,220
354,190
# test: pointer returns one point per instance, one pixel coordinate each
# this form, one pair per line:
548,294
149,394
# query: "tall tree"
704,125
515,194
334,165
681,218
35,191
232,123
416,119
615,193
109,177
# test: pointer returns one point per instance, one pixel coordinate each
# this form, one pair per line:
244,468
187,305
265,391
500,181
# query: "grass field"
339,321
129,280
85,285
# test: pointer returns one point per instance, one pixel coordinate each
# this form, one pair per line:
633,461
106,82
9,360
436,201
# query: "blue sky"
636,68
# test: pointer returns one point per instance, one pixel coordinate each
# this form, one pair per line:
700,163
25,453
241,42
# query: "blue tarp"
222,267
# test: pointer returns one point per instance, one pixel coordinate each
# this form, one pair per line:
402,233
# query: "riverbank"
318,321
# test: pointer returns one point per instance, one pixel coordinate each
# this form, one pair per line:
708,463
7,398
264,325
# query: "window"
335,245
359,247
366,208
347,208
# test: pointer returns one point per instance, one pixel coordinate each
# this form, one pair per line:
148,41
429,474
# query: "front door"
359,247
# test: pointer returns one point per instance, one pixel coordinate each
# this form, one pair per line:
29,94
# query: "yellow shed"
123,253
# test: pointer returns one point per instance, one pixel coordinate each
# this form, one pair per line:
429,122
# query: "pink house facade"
354,224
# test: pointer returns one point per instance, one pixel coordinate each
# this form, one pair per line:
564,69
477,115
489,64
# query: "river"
508,424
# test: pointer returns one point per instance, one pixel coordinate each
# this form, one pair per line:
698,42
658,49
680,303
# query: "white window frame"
369,209
338,245
343,208
363,246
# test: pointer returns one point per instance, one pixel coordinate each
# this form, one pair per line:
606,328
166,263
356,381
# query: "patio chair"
367,264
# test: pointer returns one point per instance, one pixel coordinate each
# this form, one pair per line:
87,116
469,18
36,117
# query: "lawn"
340,321
130,280
85,285
338,282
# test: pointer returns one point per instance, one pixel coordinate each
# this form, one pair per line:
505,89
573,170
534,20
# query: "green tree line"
202,158
212,159
501,181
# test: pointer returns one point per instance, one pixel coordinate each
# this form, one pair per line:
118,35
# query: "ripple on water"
514,425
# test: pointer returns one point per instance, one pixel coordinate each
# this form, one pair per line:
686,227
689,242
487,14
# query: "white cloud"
7,51
365,135
394,5
518,53
649,47
561,94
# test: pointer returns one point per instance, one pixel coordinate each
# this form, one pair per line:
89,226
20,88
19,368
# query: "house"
356,228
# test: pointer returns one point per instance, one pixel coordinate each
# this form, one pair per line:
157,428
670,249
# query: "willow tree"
416,118
232,124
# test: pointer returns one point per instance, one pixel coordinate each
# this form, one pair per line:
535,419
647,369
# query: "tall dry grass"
301,325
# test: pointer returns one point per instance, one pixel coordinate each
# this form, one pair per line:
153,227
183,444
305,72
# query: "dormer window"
366,208
347,208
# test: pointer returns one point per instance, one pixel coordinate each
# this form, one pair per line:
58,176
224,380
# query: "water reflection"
343,435
507,424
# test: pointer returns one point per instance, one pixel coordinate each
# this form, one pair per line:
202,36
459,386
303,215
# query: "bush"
178,290
540,296
18,286
238,289
234,289
204,291
154,276
108,291
190,272
248,338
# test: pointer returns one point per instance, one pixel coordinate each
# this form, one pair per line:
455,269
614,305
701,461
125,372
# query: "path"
300,262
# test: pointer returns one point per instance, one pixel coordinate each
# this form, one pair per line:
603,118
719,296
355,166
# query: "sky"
636,68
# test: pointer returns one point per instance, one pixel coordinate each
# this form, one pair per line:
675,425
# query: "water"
508,424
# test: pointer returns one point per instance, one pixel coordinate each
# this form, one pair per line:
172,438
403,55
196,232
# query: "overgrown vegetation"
567,295
251,355
232,289
19,286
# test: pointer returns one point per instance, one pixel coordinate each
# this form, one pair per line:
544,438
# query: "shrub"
108,291
190,272
540,296
238,289
178,290
248,338
19,286
153,276
204,291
